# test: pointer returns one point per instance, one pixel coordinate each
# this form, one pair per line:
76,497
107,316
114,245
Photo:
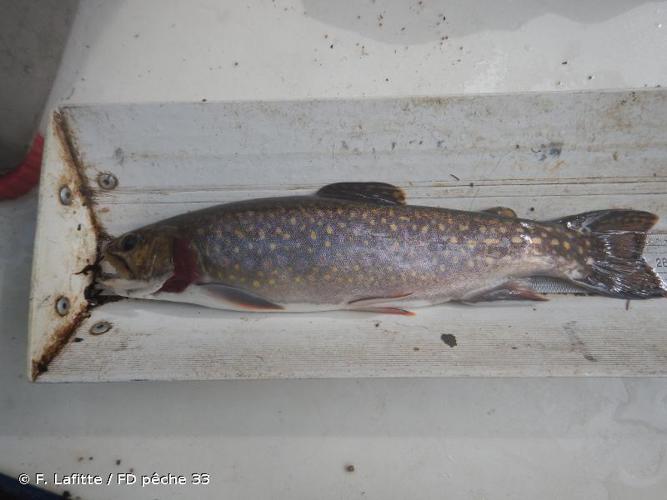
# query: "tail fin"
616,266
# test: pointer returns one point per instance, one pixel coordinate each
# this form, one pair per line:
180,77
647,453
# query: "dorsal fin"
371,192
502,211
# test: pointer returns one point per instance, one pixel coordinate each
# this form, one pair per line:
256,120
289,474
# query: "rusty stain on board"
72,176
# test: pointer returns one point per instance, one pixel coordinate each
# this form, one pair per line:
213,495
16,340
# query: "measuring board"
543,155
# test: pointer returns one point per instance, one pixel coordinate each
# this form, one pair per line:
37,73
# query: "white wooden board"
545,155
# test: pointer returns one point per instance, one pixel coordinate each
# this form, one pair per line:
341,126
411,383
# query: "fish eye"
129,242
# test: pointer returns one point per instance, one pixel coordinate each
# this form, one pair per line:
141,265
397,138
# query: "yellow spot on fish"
442,267
580,250
502,229
393,227
327,243
255,284
566,245
297,279
453,239
349,280
262,234
356,267
272,246
404,218
414,227
587,243
491,241
237,267
313,235
342,224
371,222
555,242
517,239
489,260
544,235
237,249
463,227
424,229
279,230
441,227
329,229
327,277
287,236
482,229
472,243
470,263
250,246
366,242
272,281
537,240
383,220
292,221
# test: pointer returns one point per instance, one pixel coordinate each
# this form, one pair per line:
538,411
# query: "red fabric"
22,179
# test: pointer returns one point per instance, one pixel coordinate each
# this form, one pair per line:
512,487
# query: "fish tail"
615,266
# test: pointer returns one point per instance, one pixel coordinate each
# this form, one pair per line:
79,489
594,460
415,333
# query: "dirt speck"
615,155
349,468
472,184
590,357
78,339
449,339
118,461
415,349
455,177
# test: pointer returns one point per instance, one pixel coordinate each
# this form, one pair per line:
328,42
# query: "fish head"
137,263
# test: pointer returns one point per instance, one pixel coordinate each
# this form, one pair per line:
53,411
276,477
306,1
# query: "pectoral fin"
239,297
513,290
502,211
370,192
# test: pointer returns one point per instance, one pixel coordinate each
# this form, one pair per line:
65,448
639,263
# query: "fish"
359,246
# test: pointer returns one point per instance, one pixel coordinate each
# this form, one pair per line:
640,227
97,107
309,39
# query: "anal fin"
512,290
239,297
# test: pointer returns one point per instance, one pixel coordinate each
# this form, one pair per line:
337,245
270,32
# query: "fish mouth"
115,266
116,278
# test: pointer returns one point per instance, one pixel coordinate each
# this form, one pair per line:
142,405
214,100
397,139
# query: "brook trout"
359,246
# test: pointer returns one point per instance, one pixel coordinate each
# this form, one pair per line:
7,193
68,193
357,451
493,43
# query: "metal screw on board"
62,306
65,195
100,327
107,181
